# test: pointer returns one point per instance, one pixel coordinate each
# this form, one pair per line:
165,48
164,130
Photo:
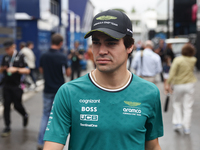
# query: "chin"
105,69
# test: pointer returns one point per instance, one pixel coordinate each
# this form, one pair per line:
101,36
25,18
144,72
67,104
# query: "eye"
111,43
95,42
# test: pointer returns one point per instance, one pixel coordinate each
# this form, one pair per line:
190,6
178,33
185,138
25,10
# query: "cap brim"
109,32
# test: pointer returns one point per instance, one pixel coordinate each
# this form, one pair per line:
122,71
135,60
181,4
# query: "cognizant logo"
85,101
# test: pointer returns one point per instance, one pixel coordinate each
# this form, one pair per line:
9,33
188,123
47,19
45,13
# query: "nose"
103,49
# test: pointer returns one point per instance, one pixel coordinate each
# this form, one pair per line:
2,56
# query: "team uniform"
12,92
99,118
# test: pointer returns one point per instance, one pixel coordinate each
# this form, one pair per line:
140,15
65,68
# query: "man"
76,56
161,53
108,108
147,63
12,66
30,58
52,64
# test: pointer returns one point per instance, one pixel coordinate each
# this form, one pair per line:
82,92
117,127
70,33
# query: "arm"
3,68
152,145
172,71
159,65
68,71
41,70
19,70
52,146
80,56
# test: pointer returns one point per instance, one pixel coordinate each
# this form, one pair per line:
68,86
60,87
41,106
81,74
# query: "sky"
127,5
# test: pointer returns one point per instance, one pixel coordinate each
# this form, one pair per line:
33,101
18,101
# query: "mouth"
103,60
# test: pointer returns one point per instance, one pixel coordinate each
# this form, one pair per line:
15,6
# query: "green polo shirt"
99,118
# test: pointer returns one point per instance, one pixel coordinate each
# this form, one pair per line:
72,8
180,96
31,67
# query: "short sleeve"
154,123
23,62
59,123
65,62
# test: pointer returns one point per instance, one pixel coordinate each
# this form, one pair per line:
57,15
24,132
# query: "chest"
108,113
13,61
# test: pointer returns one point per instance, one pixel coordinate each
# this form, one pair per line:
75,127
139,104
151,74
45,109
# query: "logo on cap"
106,18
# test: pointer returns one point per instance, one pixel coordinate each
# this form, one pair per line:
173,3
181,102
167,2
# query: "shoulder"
24,50
45,54
178,59
155,55
145,86
20,54
194,59
79,84
5,58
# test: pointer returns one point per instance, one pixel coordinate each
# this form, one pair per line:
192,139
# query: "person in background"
90,59
181,76
52,64
30,58
22,45
160,52
13,66
147,63
168,59
169,52
109,108
75,56
166,67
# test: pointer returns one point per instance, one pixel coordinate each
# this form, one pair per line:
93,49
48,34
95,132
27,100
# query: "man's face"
76,45
10,50
109,54
31,46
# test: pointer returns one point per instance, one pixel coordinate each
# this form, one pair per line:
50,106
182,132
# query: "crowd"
108,81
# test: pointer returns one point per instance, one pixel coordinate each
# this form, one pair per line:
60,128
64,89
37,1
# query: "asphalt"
26,138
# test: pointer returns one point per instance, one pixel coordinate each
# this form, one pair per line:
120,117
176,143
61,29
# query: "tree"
133,10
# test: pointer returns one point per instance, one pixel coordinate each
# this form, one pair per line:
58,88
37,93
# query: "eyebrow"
107,40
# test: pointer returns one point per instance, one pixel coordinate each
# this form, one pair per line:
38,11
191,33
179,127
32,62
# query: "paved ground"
26,139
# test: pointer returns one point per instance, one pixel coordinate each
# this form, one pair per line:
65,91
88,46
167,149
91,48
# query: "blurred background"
36,20
169,21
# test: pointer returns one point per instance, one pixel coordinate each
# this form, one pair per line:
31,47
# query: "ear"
130,49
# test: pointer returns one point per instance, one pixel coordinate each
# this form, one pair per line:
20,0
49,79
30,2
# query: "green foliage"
133,10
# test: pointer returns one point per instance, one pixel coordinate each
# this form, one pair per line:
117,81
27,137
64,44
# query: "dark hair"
56,39
22,45
128,42
28,43
8,43
188,50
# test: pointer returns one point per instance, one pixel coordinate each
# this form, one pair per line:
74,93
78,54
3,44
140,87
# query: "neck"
56,47
112,80
12,52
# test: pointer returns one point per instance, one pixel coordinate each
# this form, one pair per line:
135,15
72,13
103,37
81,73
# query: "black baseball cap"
7,44
114,23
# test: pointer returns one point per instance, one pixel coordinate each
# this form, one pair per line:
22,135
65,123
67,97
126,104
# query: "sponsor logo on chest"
132,109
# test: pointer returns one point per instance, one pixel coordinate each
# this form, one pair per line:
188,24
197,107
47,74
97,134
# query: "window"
55,7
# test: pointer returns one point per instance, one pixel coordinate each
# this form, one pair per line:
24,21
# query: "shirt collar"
53,50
